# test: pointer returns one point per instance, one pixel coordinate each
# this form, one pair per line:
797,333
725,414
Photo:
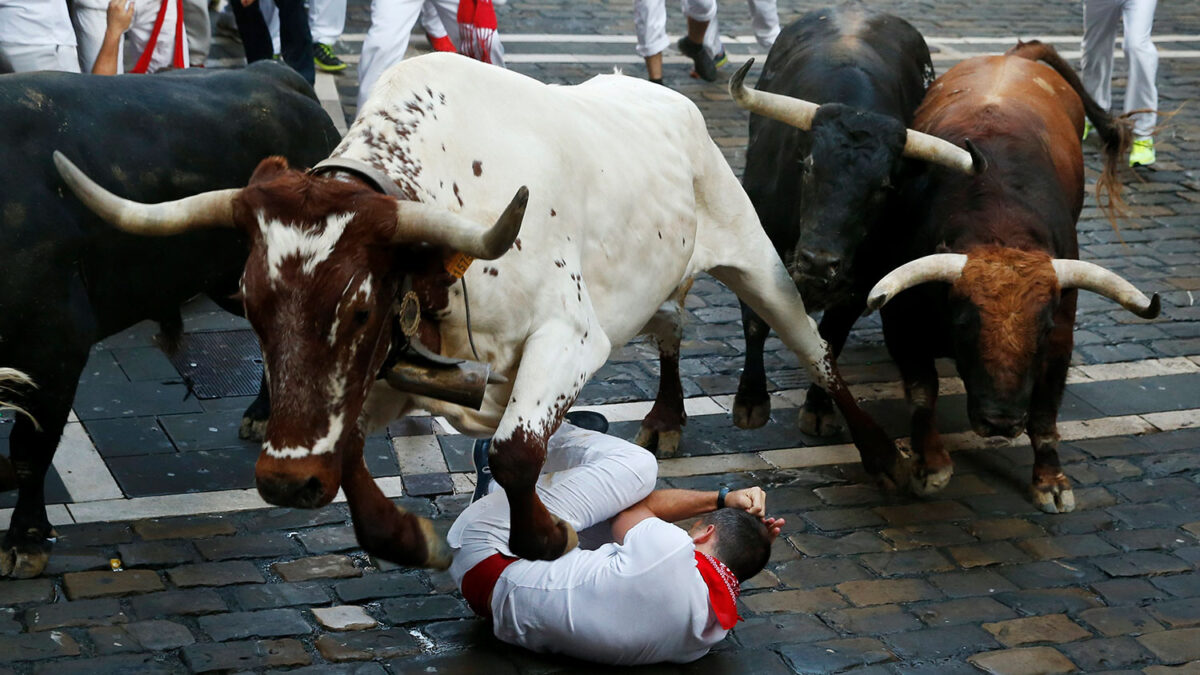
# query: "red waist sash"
479,582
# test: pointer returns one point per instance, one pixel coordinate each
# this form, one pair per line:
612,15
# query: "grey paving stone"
112,640
296,519
203,658
94,534
159,635
1105,654
143,664
834,655
189,527
36,646
1140,563
168,603
1049,600
1177,613
263,623
1117,621
1048,574
133,399
102,612
175,473
317,567
215,574
156,553
329,539
822,545
1138,540
756,632
1128,591
206,430
938,643
81,585
811,573
262,545
279,595
121,437
18,591
423,608
1181,585
375,586
1174,646
367,645
870,620
964,610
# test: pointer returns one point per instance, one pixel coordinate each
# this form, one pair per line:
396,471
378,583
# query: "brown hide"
991,96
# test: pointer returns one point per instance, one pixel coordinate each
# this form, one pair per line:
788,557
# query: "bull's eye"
361,316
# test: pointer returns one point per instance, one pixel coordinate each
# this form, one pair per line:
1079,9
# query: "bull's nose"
1008,426
300,494
817,264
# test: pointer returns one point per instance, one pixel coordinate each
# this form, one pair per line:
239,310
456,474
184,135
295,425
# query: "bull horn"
938,151
1092,277
794,111
208,209
945,267
421,222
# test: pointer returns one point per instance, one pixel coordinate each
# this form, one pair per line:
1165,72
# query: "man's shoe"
703,63
1087,129
586,419
325,60
483,472
721,60
1142,153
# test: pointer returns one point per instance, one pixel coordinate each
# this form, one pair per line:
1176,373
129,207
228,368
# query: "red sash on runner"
479,582
476,28
723,588
143,63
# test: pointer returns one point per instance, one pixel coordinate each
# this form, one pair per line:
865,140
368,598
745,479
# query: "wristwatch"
721,497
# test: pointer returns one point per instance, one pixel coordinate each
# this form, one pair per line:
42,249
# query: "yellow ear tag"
457,264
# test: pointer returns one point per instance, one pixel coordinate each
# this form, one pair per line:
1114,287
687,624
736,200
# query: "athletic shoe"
1087,128
1142,153
483,472
325,60
703,63
586,419
721,60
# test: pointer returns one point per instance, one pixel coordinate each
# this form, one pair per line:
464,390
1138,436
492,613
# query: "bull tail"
9,377
1116,133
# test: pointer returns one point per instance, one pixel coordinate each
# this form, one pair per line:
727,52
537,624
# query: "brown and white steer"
628,199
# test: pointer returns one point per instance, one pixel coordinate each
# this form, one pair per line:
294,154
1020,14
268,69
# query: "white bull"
628,199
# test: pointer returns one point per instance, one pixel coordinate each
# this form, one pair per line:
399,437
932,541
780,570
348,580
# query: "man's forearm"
674,505
106,59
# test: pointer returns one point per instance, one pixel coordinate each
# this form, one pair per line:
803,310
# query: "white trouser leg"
1100,20
144,16
1142,57
326,20
764,19
587,479
28,58
199,31
700,10
712,39
270,14
650,22
447,11
431,22
386,41
90,18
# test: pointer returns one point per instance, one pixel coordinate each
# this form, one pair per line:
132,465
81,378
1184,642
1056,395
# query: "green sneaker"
325,60
1142,153
1087,128
721,60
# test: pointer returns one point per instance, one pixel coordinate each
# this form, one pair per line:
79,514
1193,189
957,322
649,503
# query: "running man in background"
1100,20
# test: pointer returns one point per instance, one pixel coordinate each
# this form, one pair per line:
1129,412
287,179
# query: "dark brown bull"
1003,243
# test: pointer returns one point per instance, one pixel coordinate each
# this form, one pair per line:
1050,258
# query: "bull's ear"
269,168
978,163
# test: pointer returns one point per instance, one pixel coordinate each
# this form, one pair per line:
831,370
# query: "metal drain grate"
220,363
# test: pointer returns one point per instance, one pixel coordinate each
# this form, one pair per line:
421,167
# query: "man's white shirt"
643,601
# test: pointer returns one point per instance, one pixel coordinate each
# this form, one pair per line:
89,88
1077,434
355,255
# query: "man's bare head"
740,540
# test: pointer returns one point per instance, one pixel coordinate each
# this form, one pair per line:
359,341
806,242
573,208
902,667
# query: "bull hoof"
438,554
1058,497
663,444
544,548
24,560
822,423
253,430
925,483
750,415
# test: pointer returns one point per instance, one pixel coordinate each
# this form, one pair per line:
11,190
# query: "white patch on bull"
1044,84
312,247
364,291
322,446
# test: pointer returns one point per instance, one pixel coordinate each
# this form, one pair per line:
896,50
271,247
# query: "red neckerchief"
723,588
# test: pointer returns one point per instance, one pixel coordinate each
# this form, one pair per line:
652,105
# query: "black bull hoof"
24,557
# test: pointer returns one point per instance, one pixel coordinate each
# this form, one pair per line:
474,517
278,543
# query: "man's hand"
120,15
774,527
752,500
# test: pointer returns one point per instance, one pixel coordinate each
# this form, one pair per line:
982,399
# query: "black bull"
69,279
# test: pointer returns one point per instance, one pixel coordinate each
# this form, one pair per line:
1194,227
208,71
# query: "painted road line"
629,38
419,454
784,458
327,94
56,513
81,467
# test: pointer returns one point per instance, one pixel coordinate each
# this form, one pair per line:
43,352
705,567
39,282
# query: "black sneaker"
483,472
703,63
586,419
325,60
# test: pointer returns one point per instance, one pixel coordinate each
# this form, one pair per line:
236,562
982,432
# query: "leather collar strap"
373,177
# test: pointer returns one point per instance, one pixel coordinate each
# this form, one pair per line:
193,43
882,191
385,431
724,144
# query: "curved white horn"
794,111
1094,278
938,151
945,267
208,209
420,222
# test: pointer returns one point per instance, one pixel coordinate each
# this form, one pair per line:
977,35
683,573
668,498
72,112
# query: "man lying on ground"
638,589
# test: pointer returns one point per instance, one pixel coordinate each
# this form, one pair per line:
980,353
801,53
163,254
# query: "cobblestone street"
863,580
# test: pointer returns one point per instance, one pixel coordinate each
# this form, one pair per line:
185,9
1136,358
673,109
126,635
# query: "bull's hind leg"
663,425
1051,489
556,362
752,404
817,416
759,279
